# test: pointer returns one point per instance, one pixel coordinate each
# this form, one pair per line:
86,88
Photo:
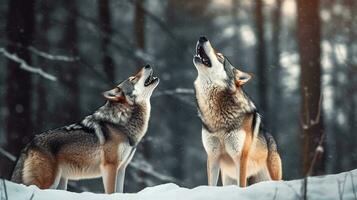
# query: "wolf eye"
134,80
118,89
220,57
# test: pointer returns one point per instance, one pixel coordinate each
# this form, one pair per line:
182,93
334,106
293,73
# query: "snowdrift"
339,186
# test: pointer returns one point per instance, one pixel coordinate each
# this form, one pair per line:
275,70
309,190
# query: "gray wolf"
101,145
232,133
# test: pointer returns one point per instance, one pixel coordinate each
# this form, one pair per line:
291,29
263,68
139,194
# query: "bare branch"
318,115
7,154
318,151
25,66
139,179
306,124
128,49
303,125
5,189
353,186
309,122
32,195
341,187
304,187
51,56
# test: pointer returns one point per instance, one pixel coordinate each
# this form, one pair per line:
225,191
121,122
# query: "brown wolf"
101,145
232,132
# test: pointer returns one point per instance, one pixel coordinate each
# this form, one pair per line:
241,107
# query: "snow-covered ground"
339,186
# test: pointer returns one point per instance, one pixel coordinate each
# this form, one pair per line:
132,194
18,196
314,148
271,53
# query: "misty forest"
58,57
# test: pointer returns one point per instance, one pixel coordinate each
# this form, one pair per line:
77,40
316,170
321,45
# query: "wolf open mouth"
202,56
150,79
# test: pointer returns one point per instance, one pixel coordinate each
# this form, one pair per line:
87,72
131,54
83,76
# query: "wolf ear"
241,77
115,95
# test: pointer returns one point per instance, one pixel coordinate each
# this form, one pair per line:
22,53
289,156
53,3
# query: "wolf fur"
232,133
101,145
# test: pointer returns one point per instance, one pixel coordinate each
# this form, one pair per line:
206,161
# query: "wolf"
232,133
101,145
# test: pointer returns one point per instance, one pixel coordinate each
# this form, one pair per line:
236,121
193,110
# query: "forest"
57,57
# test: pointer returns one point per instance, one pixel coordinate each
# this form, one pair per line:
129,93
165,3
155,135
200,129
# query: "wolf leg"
109,173
56,181
212,146
119,185
243,169
212,170
63,184
234,145
243,174
237,165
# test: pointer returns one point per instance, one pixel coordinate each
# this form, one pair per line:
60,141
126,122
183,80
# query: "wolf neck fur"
220,108
131,120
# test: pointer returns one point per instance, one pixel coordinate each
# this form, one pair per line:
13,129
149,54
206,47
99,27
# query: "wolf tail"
274,160
17,173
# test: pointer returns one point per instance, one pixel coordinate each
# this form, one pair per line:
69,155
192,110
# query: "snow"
340,186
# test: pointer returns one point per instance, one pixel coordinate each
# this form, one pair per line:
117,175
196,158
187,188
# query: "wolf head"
215,68
136,89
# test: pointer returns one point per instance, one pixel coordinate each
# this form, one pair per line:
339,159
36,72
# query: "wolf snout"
202,39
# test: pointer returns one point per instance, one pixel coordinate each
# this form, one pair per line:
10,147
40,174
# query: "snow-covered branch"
7,154
25,66
53,57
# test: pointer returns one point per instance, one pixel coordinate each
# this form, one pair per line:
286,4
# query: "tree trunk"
69,76
310,83
19,28
352,81
236,22
274,119
106,29
261,57
41,89
336,106
139,26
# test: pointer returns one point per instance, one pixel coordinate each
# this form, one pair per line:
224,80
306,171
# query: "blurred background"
57,57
